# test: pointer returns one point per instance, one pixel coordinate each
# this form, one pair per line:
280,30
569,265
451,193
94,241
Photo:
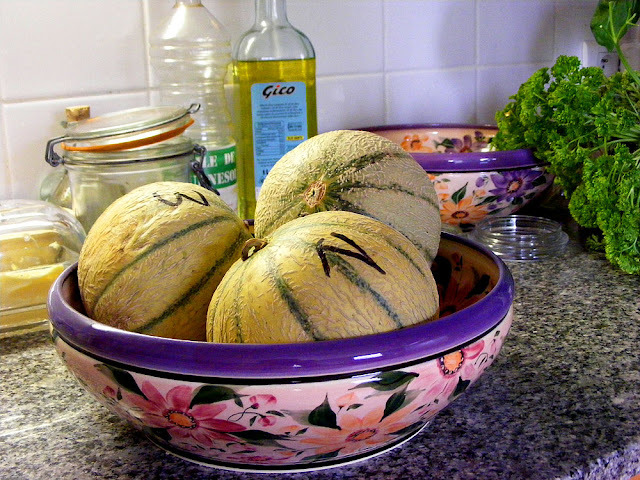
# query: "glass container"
38,240
107,157
521,237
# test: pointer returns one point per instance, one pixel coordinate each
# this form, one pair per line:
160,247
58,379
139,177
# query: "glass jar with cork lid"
110,155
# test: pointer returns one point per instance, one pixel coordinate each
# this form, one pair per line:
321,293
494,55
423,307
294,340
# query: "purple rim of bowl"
467,161
240,361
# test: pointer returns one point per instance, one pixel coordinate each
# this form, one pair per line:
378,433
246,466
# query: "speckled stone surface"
563,395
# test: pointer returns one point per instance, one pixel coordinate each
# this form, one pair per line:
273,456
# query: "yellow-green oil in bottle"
265,132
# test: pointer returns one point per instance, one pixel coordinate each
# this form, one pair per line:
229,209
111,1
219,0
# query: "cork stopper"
77,113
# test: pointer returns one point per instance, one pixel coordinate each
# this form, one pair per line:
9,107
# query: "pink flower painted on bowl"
251,414
452,374
258,401
174,412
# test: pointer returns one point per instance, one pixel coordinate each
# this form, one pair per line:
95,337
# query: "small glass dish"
521,237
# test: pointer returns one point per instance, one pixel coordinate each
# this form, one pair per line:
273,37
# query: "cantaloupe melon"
324,276
354,171
154,257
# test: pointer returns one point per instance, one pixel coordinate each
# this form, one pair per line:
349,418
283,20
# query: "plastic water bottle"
275,80
190,56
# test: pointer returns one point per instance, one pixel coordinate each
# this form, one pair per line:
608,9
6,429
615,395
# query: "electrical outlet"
595,55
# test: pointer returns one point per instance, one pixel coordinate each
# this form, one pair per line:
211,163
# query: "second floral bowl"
294,407
471,179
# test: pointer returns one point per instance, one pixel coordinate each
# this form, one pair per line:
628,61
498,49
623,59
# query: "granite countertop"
561,401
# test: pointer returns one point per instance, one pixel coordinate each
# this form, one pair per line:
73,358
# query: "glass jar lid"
123,130
128,129
521,237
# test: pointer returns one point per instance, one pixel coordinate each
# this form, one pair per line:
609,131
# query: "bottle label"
220,168
279,113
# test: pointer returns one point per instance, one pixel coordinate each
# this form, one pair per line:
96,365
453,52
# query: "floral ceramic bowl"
294,407
471,180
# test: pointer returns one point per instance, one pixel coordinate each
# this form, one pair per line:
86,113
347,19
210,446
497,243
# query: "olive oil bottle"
274,73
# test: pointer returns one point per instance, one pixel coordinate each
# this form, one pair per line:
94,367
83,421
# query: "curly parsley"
587,127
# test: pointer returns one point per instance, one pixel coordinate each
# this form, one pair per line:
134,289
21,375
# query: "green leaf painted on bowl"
460,388
122,378
394,403
213,394
262,438
276,413
398,400
446,143
459,194
489,199
323,416
388,381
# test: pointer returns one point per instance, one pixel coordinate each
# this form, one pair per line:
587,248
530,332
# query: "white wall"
379,61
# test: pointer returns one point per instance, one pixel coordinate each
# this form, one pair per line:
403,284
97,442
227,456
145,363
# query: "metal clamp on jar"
108,156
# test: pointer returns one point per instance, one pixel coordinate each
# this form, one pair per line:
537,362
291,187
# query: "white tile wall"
431,96
347,101
379,61
347,41
428,35
47,52
515,32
